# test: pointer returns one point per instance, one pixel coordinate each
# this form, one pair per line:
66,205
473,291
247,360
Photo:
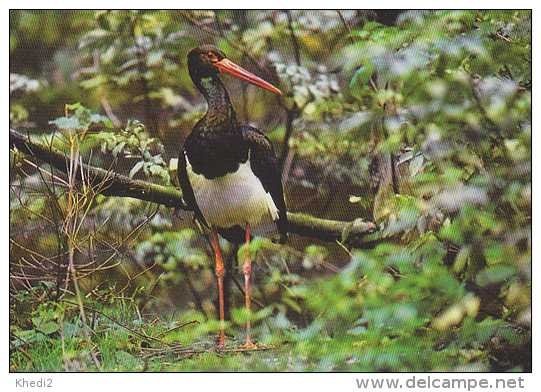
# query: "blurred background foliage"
419,121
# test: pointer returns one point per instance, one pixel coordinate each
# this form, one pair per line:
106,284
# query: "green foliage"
81,120
135,55
134,142
439,89
446,94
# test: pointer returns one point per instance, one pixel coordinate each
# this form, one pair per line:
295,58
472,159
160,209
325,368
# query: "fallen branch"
107,183
357,234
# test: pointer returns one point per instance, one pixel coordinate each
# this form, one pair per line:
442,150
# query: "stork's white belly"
235,199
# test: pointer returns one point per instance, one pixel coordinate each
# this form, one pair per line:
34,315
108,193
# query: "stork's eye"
212,57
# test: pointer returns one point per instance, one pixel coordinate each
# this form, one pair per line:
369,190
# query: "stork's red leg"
247,270
220,269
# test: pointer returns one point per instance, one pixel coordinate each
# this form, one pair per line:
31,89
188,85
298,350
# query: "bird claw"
249,345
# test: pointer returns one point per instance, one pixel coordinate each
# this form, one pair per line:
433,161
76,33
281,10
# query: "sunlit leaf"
495,274
138,166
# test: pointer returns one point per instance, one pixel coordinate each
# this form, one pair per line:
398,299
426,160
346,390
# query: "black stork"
228,172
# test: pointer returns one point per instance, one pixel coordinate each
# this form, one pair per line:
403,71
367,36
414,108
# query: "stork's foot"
249,345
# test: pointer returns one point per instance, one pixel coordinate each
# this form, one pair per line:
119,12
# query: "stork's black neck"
216,145
220,110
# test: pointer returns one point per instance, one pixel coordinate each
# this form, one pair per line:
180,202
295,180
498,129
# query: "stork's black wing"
265,166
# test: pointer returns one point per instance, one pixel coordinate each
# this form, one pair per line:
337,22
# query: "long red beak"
229,67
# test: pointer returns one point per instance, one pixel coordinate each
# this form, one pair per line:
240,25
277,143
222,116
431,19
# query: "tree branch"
356,234
107,183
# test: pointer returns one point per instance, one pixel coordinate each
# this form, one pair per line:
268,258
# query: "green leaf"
96,39
128,361
346,231
416,164
136,168
73,106
360,79
64,123
27,337
99,119
495,274
103,22
71,330
48,327
119,148
363,75
96,81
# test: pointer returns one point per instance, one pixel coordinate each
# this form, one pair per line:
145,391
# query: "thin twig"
290,116
141,55
104,102
293,38
135,333
109,111
180,326
197,23
240,48
71,217
191,287
350,37
130,279
345,26
26,355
